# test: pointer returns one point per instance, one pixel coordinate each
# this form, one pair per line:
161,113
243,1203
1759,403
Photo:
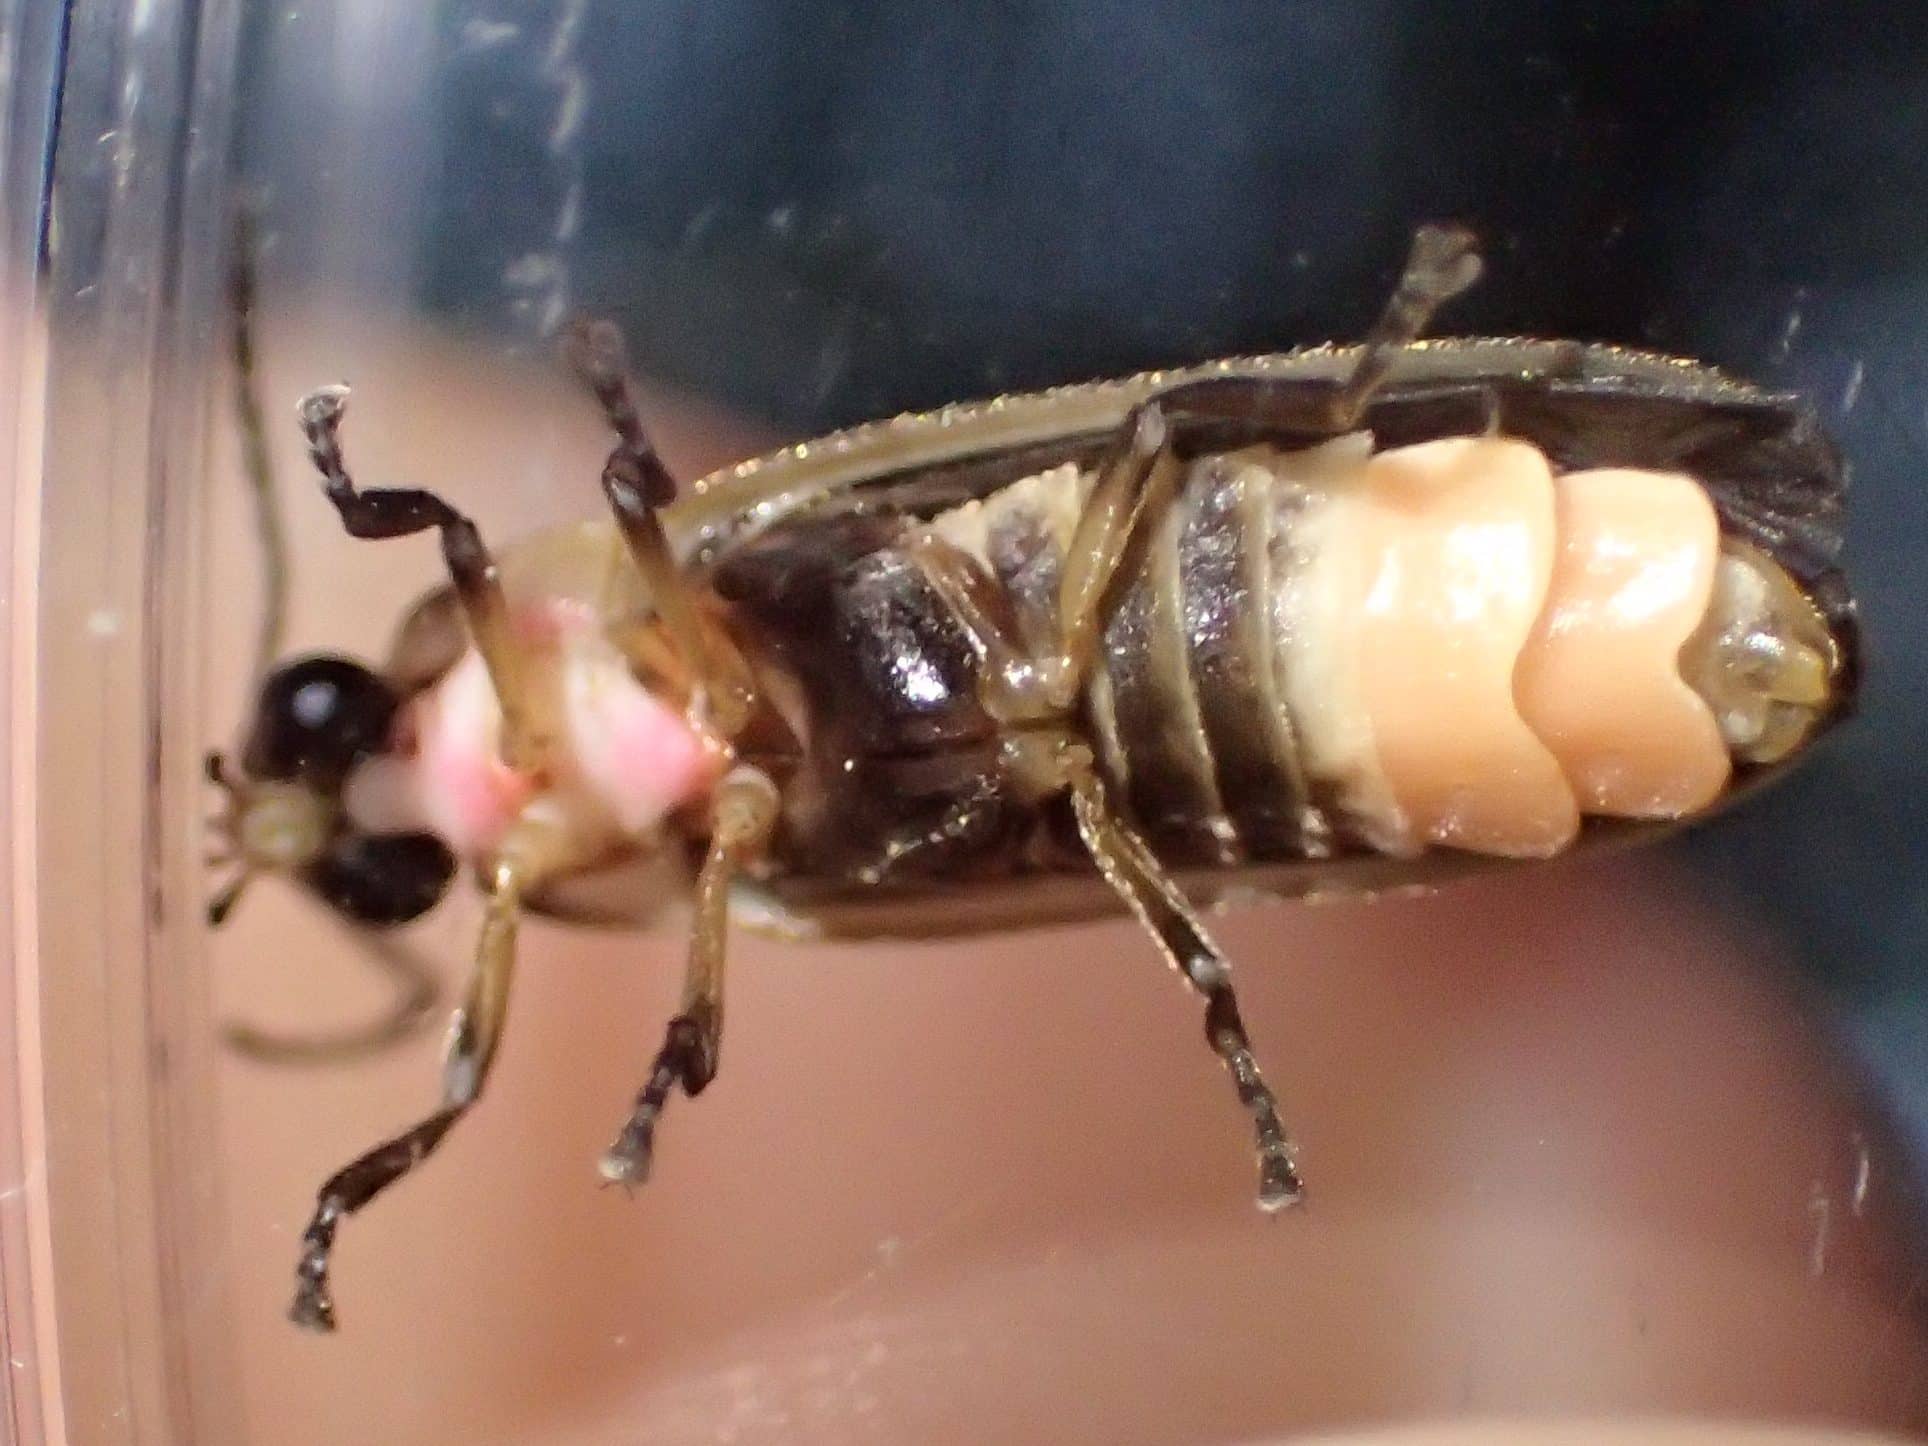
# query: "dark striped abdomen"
1186,708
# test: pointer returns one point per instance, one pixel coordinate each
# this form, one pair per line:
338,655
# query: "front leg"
538,848
402,512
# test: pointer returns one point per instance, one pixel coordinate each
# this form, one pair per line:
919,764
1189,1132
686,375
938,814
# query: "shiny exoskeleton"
996,664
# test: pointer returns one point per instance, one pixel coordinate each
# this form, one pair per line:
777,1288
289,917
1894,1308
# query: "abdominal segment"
1600,679
1485,651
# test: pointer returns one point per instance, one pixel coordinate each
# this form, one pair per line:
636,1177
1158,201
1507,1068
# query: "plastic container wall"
1588,1144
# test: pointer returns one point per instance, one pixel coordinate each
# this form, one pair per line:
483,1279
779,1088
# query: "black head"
316,720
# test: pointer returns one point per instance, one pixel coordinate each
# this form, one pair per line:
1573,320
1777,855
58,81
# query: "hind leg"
1137,476
1060,762
1051,759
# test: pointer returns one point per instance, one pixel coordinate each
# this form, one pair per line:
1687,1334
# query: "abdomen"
1325,661
1335,650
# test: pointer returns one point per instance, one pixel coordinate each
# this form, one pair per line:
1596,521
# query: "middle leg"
744,814
638,486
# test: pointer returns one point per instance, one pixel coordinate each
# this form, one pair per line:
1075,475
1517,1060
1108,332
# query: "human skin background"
1574,1147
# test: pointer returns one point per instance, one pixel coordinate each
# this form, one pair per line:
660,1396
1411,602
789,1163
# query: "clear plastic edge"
110,1271
31,44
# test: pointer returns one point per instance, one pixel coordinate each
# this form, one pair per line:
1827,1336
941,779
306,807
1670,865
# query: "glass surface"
1616,1139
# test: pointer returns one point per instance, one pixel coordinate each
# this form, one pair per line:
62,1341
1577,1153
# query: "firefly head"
317,719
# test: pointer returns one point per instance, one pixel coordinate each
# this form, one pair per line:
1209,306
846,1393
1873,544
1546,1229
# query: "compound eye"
382,878
316,719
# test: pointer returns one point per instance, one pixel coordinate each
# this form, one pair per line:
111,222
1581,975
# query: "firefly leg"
743,814
638,486
1129,867
415,994
429,641
257,459
536,849
1441,264
1046,761
1137,476
1014,684
402,512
